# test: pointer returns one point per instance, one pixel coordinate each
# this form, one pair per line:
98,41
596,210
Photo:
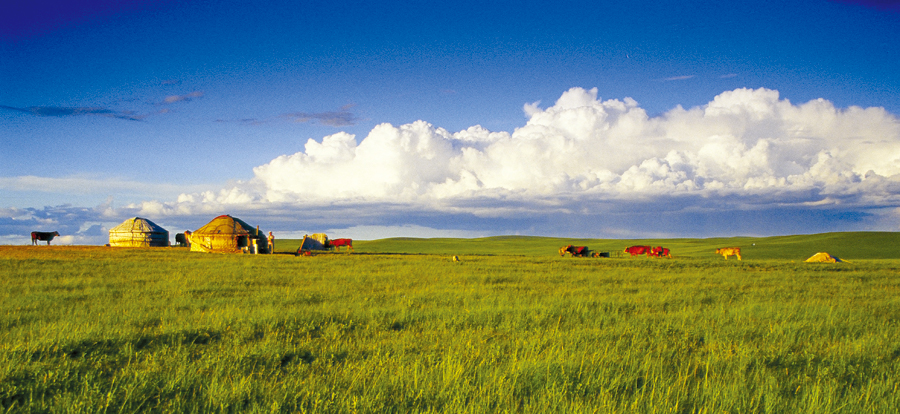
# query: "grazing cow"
636,250
183,239
660,251
337,243
729,251
42,236
575,251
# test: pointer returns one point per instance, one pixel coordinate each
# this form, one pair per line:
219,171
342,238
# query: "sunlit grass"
95,329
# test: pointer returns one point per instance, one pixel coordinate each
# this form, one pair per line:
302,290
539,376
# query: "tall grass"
112,330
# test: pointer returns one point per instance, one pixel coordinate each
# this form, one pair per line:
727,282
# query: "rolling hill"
846,245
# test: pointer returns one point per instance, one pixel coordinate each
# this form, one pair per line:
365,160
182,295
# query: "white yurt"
138,232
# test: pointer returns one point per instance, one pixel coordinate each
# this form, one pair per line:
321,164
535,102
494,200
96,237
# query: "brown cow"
337,243
660,251
636,250
730,251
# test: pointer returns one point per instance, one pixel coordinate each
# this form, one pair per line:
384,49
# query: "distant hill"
847,245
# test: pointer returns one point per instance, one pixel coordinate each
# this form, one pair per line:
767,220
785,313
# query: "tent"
226,234
823,258
317,241
138,232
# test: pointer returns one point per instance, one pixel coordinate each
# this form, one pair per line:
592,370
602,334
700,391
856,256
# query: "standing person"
271,246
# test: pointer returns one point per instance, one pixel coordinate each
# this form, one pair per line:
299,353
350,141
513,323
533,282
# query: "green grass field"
399,327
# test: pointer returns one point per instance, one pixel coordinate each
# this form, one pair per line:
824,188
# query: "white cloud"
383,232
743,141
582,165
745,150
89,184
678,78
183,98
391,163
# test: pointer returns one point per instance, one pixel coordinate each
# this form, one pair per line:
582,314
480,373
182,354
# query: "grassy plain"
398,327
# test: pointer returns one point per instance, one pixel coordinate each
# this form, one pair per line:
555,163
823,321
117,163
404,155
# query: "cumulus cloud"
743,142
748,162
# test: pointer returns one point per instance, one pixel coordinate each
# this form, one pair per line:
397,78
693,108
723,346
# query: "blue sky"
466,119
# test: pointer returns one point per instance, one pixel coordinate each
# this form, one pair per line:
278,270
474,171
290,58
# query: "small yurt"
823,257
226,234
138,232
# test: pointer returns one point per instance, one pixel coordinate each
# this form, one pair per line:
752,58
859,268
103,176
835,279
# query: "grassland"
398,327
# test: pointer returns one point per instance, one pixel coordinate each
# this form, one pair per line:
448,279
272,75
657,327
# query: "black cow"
42,236
575,251
183,239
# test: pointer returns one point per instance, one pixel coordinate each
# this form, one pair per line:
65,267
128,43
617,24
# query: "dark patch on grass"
200,337
338,357
91,348
215,292
630,387
150,323
497,280
145,342
10,323
12,400
314,332
115,348
619,308
310,299
304,357
895,354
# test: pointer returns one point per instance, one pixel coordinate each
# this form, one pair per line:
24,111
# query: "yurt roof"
226,224
138,225
823,257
